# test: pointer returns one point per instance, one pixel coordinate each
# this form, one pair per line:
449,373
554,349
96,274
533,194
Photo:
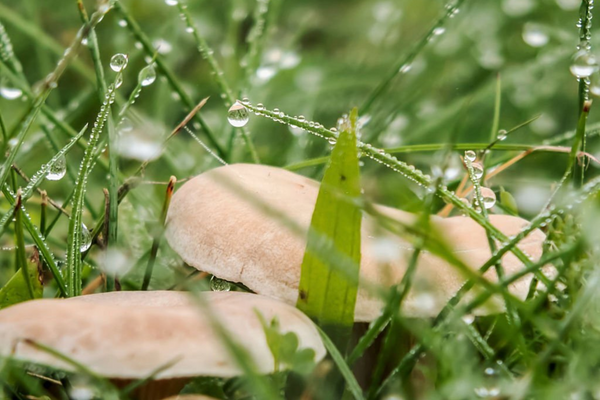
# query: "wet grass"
468,107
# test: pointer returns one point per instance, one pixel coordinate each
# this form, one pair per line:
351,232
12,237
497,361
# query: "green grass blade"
410,57
344,369
74,261
140,36
326,295
40,243
38,178
158,235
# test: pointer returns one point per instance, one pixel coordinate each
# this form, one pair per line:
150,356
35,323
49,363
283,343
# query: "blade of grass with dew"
159,230
325,295
141,37
217,72
406,61
49,84
40,243
38,178
408,171
74,259
254,40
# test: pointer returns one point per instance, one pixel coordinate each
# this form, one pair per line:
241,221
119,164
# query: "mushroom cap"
215,227
128,335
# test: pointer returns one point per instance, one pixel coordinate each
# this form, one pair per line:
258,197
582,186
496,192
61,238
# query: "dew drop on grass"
219,285
470,155
502,134
122,23
119,81
147,75
489,197
534,35
477,171
237,115
58,170
10,93
86,239
439,31
584,64
468,319
118,62
171,2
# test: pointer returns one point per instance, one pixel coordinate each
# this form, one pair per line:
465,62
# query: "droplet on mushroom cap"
128,335
215,227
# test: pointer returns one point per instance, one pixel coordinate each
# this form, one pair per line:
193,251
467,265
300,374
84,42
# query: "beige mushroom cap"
128,335
219,230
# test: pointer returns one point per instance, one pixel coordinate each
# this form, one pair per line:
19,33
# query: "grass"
431,80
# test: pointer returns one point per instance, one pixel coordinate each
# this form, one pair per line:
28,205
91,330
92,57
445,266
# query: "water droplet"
584,64
118,62
119,81
122,23
405,68
260,106
489,197
439,31
58,170
147,75
477,171
162,46
10,93
171,2
84,41
468,319
470,155
534,35
86,239
502,134
332,141
237,115
219,285
125,126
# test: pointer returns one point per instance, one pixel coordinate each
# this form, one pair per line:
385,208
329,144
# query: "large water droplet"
147,75
118,62
219,285
10,93
58,170
470,155
534,35
86,239
237,115
477,171
489,197
584,64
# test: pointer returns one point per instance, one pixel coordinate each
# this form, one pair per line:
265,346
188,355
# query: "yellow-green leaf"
327,288
16,290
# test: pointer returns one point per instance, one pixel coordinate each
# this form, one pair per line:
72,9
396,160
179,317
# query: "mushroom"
125,336
215,227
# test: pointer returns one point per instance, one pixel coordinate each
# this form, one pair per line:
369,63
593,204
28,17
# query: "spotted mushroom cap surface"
227,222
129,335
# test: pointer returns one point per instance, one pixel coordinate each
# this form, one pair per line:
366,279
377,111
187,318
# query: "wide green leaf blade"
16,289
327,294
